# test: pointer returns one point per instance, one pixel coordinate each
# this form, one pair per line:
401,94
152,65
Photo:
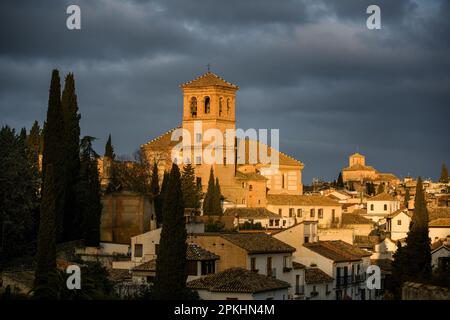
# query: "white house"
345,263
380,206
239,284
318,285
326,211
439,229
397,224
266,218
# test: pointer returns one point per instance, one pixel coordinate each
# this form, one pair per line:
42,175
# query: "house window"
138,250
277,223
320,213
259,201
284,223
333,215
224,161
286,262
327,289
282,181
207,105
270,223
306,239
208,266
250,187
193,107
198,160
312,213
228,107
385,207
291,212
253,264
399,222
280,211
299,213
220,107
371,207
198,137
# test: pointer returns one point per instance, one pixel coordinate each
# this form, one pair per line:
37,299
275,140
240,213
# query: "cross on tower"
209,67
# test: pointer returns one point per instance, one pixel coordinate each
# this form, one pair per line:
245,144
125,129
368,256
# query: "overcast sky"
308,67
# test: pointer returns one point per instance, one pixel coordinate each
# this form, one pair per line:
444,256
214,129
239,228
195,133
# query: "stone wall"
420,291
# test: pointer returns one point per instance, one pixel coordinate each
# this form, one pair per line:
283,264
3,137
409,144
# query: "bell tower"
209,102
210,99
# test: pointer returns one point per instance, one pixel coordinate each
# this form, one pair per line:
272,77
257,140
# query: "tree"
189,187
72,153
161,198
217,204
413,262
18,197
418,241
407,197
208,201
171,276
340,182
54,151
46,250
380,188
444,174
109,149
89,194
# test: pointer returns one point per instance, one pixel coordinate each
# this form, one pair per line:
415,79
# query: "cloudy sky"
308,67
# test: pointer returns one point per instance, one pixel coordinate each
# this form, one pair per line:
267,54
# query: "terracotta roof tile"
440,222
355,218
257,242
251,213
315,275
382,197
237,280
208,79
297,265
337,250
195,252
301,200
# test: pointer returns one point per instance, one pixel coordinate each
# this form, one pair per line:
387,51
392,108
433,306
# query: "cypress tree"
18,196
46,249
340,182
89,194
171,276
71,230
109,149
444,174
217,204
208,201
380,188
54,150
189,187
154,190
161,198
418,242
407,197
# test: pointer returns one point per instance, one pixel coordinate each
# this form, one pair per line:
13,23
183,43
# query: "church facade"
209,102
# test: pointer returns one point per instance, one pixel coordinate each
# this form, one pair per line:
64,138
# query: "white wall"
436,233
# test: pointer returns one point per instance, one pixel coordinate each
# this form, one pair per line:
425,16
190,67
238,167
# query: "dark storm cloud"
311,68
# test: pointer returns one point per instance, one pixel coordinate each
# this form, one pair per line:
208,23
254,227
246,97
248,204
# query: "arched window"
220,107
194,107
228,107
207,105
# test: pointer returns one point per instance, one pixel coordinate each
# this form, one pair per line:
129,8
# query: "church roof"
359,167
208,79
163,141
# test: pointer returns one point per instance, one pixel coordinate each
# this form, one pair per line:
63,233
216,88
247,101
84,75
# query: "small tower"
356,158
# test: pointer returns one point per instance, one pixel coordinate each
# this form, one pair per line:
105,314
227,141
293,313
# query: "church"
211,100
